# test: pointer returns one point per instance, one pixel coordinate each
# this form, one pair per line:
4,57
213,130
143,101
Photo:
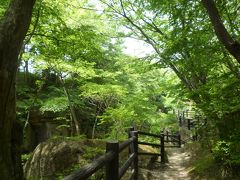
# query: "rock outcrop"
52,157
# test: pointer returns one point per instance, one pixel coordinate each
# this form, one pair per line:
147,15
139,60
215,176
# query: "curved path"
175,169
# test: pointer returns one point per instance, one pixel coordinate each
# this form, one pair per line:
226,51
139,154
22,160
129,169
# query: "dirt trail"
175,169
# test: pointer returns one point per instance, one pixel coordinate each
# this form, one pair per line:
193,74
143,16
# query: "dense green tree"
185,41
72,65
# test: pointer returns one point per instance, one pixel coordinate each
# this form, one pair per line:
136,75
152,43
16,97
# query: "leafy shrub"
222,151
57,104
25,157
227,154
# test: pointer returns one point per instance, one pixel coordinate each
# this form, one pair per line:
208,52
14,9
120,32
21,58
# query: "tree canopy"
70,65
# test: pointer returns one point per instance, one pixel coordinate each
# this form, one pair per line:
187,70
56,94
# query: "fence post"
179,140
113,166
135,151
130,148
180,120
129,131
167,140
162,149
189,123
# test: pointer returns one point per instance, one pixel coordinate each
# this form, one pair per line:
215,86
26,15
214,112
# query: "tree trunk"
224,37
13,28
72,110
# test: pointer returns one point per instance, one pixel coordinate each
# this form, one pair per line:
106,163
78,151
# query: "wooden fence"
173,138
188,119
111,158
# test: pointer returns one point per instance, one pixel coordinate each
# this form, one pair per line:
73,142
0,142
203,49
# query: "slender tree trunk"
94,127
223,35
96,120
73,113
13,28
26,71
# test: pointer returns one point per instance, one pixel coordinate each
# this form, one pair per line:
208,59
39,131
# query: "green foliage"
57,104
202,166
3,7
25,157
184,41
76,55
169,121
227,152
91,152
222,151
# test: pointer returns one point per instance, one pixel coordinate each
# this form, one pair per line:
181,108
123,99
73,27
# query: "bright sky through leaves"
136,47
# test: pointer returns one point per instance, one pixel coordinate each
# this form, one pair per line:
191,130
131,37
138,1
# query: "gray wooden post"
130,148
162,149
112,167
135,149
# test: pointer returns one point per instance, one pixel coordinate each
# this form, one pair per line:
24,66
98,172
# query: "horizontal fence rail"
149,144
149,134
160,145
172,138
110,160
86,171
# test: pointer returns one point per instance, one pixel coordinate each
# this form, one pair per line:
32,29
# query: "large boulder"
52,157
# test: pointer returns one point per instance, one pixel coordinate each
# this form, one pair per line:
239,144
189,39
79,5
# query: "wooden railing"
161,145
188,119
111,158
173,138
111,161
192,121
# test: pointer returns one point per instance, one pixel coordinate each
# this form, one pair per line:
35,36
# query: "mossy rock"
59,157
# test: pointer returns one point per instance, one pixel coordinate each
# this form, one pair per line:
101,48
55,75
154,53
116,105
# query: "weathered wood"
135,151
149,154
111,158
87,170
189,124
112,166
162,149
130,148
149,134
129,131
149,144
167,135
125,144
127,164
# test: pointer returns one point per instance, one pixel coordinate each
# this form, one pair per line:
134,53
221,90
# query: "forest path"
175,169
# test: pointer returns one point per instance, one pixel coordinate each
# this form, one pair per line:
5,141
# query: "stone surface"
52,157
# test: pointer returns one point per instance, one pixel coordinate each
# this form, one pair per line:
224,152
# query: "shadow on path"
175,169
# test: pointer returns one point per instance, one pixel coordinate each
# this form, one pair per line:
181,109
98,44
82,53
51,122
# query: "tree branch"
223,35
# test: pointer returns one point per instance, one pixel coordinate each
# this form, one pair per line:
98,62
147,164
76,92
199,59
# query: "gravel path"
175,169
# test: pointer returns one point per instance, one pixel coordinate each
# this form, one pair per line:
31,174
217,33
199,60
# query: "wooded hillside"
65,72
